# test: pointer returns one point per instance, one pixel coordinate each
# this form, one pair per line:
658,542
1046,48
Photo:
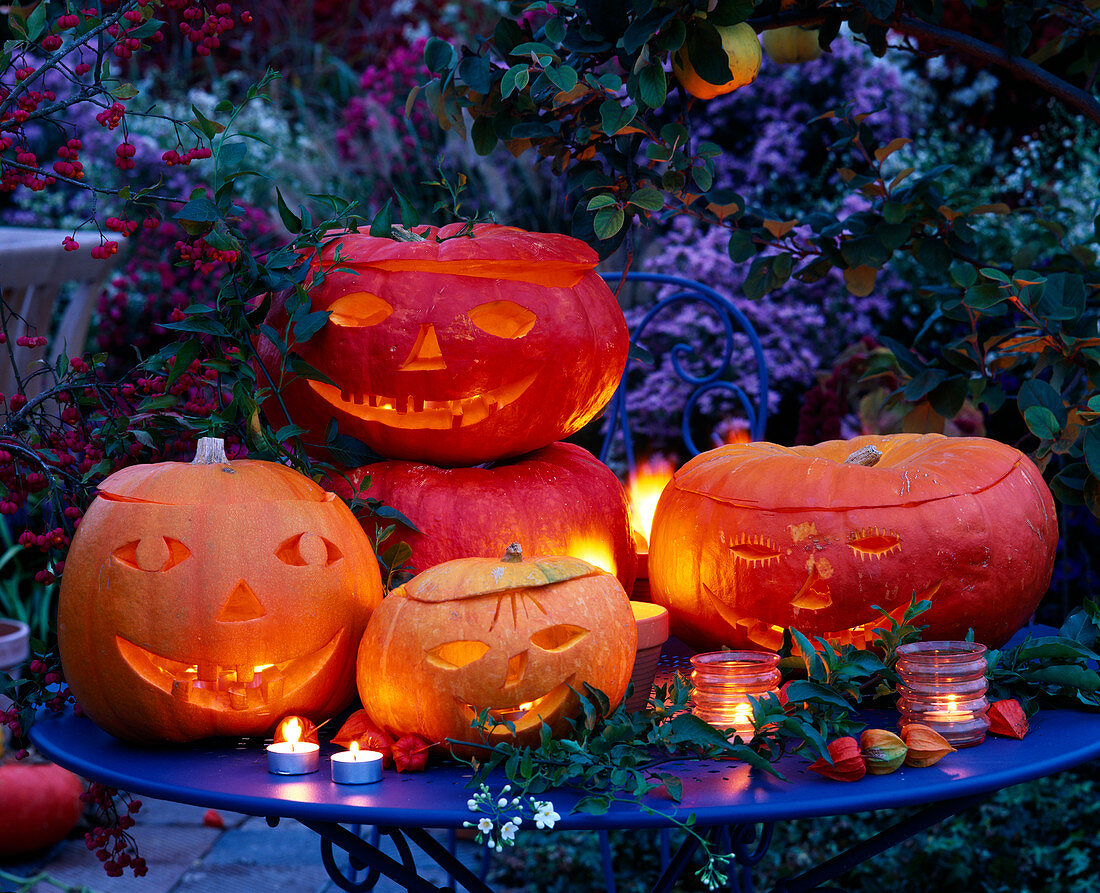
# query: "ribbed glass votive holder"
724,680
943,686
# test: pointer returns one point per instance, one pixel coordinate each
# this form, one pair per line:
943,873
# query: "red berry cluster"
173,158
111,116
206,34
202,256
110,840
121,225
70,165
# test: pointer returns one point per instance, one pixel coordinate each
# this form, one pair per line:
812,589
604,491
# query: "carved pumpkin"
514,636
213,598
458,349
753,538
743,55
560,500
792,44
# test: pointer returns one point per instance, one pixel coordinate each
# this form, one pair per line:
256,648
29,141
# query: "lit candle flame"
354,748
645,488
292,731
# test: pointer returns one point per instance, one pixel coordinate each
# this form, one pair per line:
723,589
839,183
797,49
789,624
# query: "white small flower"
485,826
499,848
502,802
545,817
471,804
517,821
506,788
508,831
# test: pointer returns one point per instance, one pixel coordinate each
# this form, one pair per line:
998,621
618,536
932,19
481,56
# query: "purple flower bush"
769,146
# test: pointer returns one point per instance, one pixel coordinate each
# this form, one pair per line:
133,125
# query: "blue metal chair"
720,378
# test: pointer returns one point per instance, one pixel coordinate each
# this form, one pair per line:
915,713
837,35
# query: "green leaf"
185,354
310,325
608,222
601,200
815,667
484,136
730,12
198,210
439,55
647,198
515,78
652,86
476,72
1036,392
382,224
705,53
1072,676
209,128
741,246
1091,446
564,77
1042,422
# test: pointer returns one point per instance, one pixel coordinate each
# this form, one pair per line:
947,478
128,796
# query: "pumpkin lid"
913,468
211,479
462,578
490,251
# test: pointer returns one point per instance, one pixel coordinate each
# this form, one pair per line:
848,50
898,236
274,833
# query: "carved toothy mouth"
407,411
211,685
527,715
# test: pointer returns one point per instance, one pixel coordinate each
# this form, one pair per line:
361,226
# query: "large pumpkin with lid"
560,500
212,598
516,637
466,345
750,539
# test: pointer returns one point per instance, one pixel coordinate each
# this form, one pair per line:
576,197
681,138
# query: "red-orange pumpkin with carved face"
512,636
460,348
753,538
213,598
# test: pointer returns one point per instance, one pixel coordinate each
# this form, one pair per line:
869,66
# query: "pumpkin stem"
513,554
400,234
210,451
866,455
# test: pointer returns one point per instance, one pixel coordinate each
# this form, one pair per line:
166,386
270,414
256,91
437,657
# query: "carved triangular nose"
242,604
425,355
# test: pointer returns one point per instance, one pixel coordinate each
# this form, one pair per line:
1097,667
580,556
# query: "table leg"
861,852
403,873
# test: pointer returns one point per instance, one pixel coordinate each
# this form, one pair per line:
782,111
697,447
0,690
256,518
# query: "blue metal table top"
235,777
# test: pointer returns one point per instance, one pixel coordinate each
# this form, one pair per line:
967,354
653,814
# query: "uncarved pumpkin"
560,500
514,636
213,598
458,349
39,804
750,539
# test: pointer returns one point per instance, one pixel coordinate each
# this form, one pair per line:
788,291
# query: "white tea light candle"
356,766
293,757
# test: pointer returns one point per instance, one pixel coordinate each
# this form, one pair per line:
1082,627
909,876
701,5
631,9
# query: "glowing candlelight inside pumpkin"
292,756
645,488
594,551
724,682
943,686
355,766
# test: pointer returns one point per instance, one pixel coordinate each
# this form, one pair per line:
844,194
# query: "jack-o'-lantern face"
185,619
458,351
518,652
751,539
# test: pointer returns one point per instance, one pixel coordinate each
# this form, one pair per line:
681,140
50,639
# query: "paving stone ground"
186,856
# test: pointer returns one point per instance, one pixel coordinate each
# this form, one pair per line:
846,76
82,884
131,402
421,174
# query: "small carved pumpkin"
750,539
213,598
458,348
560,500
513,636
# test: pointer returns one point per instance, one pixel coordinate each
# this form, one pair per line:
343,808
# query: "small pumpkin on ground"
559,500
750,539
513,636
213,598
39,804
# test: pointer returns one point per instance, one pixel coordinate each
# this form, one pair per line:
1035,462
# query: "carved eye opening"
505,319
873,542
755,550
457,654
308,549
153,554
359,310
559,637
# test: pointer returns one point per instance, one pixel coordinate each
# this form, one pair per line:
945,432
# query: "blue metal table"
725,797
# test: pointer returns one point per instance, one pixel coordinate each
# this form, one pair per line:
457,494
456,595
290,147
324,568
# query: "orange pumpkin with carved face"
213,598
514,636
750,539
463,347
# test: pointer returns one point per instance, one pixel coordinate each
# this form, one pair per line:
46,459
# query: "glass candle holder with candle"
943,686
724,680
